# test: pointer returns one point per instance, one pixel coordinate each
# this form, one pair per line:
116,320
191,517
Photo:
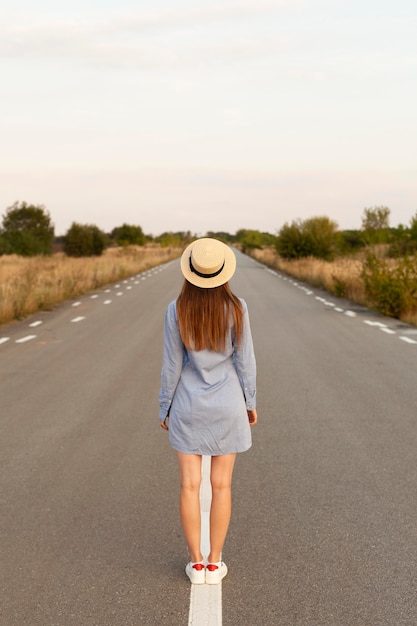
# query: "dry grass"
341,277
31,284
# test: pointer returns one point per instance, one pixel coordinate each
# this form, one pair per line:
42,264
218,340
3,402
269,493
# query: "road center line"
205,600
4,339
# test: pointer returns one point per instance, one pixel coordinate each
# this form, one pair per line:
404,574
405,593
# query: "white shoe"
196,572
215,572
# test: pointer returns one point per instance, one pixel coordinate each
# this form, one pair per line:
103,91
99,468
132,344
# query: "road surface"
324,526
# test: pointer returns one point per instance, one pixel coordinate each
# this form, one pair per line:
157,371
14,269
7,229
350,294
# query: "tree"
84,240
27,230
375,224
128,235
413,228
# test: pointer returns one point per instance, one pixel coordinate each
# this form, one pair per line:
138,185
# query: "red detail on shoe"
198,566
211,567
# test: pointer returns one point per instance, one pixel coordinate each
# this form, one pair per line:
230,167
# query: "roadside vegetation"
30,284
375,266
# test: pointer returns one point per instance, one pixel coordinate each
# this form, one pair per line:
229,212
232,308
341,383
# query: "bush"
84,240
251,239
314,237
128,235
392,287
27,230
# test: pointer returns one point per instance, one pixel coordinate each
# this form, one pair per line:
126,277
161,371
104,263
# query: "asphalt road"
324,527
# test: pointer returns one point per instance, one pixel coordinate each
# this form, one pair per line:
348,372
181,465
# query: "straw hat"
208,263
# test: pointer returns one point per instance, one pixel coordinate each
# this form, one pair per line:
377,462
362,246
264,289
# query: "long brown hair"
205,315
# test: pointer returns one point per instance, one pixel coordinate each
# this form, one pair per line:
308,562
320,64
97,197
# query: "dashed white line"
389,331
76,303
77,319
107,301
4,339
94,296
378,324
25,339
35,324
407,339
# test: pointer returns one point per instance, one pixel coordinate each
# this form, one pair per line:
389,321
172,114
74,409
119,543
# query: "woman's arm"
245,362
172,359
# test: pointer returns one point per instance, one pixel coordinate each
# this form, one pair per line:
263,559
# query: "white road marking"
350,313
107,301
407,339
119,293
388,331
129,287
338,309
25,339
4,339
35,324
76,303
94,296
378,324
78,319
205,600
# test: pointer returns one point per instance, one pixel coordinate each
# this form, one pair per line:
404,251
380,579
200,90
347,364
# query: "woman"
208,393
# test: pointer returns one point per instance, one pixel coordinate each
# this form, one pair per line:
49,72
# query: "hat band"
192,268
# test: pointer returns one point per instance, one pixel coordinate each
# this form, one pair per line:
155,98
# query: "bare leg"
190,478
221,504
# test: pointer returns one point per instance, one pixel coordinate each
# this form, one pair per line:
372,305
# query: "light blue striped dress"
207,393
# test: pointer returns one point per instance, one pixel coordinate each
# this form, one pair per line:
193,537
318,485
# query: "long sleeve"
245,362
172,360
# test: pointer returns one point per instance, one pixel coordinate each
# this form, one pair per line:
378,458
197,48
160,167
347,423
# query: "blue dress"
207,393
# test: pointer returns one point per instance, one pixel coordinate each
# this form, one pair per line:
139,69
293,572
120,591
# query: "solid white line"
24,339
205,600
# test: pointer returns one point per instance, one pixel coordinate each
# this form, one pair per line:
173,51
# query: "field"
30,284
343,278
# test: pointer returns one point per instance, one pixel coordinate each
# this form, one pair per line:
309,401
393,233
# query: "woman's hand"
253,417
164,424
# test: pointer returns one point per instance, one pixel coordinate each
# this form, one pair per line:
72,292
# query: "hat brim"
214,281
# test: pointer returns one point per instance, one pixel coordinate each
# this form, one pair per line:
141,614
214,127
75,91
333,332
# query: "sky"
212,115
